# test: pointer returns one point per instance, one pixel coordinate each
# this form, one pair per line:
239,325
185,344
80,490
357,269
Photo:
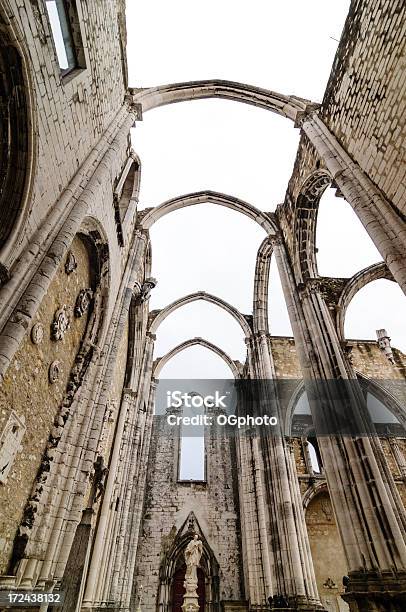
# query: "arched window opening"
379,305
342,244
380,414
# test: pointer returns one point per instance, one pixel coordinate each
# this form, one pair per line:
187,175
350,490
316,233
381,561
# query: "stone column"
133,487
368,510
398,455
293,579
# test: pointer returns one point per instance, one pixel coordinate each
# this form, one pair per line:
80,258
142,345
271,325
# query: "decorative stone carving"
99,480
38,22
315,184
145,290
139,597
37,333
83,302
54,372
330,584
327,510
108,419
276,239
60,324
384,344
10,443
70,263
193,553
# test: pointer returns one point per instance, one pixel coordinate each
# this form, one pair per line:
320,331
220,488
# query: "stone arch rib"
291,107
17,132
162,361
261,286
161,315
307,205
355,284
208,197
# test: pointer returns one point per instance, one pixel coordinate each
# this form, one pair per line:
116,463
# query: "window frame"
69,23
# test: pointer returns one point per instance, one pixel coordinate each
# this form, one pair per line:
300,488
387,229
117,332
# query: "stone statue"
99,479
145,290
193,552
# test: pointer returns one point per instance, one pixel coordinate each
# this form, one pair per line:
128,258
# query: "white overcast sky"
285,46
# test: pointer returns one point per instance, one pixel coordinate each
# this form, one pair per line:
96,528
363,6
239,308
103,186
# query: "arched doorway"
173,569
178,590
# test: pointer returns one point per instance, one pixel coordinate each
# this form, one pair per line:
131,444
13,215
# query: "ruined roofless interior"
305,513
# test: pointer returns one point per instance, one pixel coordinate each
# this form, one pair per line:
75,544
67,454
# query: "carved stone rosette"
60,324
83,302
37,333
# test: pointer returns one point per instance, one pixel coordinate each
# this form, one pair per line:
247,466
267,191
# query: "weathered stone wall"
371,361
169,502
71,112
285,358
364,103
28,392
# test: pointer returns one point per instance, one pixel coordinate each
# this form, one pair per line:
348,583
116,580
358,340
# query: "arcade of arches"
92,500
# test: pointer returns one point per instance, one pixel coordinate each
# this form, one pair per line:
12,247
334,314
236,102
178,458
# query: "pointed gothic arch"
209,197
261,286
291,107
158,316
162,361
353,286
379,391
304,237
17,133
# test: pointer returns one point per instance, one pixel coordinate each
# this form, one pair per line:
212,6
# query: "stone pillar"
256,586
76,564
293,578
133,490
398,455
368,510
